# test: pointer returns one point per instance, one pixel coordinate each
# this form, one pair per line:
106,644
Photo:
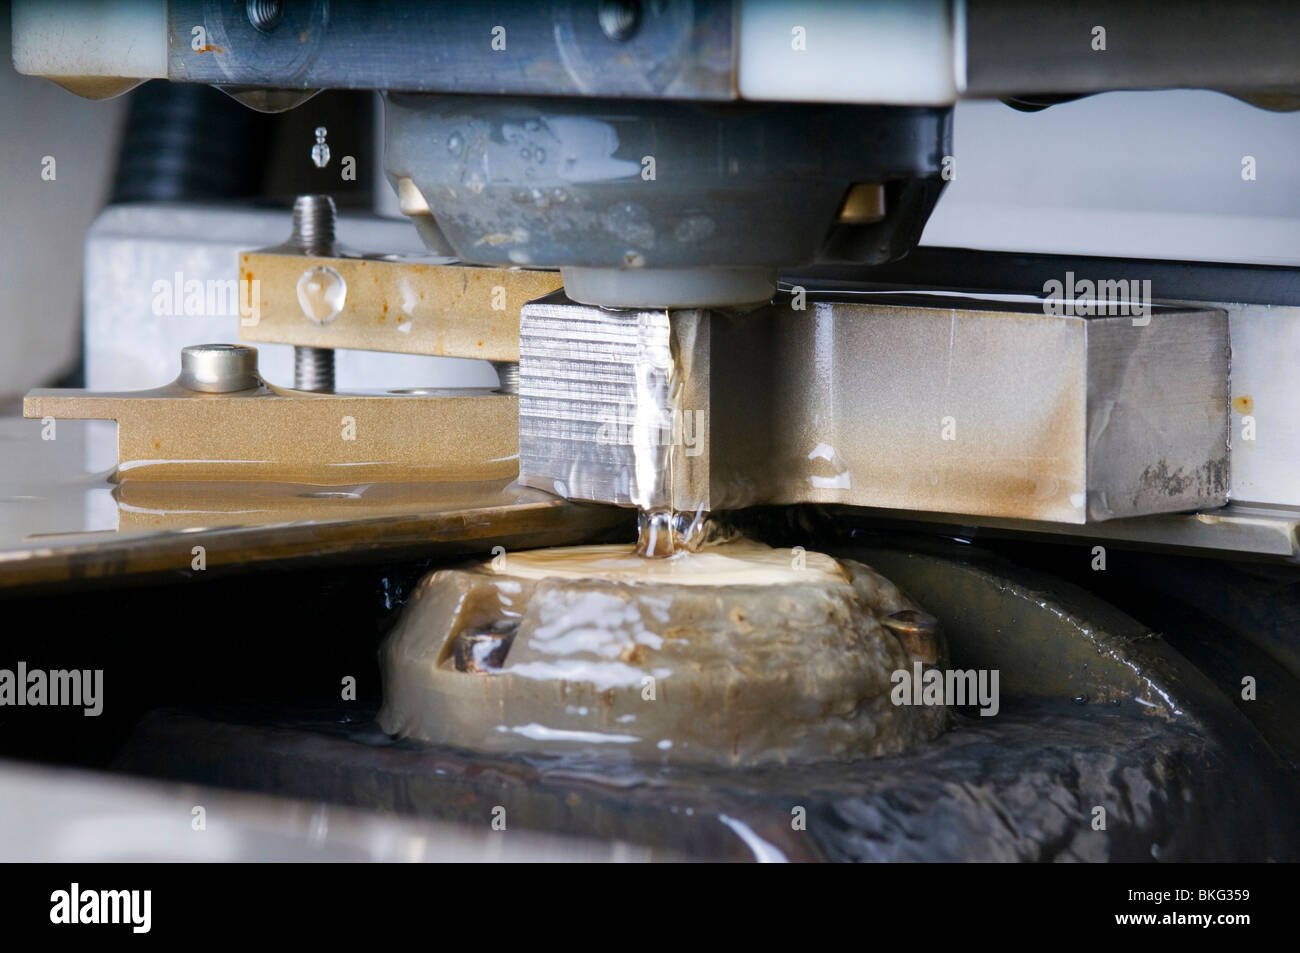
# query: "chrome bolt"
218,368
313,232
313,369
313,224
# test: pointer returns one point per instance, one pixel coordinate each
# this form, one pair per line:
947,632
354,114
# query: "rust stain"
1245,404
209,48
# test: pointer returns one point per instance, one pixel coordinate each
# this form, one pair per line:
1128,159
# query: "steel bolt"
313,232
313,224
313,369
219,368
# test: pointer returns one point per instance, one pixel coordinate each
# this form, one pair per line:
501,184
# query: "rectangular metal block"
929,403
581,369
436,307
1265,403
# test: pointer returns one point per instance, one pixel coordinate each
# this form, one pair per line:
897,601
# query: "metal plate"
59,524
435,307
276,434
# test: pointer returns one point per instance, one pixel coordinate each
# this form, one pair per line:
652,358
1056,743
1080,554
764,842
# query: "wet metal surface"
59,523
1097,711
597,650
82,817
1020,788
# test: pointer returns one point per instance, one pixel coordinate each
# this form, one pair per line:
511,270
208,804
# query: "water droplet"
320,152
321,293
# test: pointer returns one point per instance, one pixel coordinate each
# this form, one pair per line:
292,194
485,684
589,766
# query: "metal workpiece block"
928,403
1158,414
585,373
1265,403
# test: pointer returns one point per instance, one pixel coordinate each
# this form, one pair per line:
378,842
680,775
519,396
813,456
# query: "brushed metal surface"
919,402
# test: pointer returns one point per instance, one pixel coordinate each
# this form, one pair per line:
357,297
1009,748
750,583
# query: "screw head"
218,368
